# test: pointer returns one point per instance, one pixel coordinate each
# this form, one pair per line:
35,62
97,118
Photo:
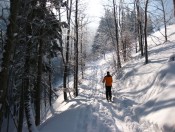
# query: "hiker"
108,84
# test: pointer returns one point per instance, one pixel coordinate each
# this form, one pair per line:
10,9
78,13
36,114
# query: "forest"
44,44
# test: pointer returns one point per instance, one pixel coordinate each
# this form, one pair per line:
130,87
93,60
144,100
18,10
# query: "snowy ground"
143,98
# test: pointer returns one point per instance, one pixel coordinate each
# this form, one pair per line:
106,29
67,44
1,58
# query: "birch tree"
69,11
116,34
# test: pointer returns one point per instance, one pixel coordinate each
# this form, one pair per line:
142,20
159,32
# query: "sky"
95,11
143,96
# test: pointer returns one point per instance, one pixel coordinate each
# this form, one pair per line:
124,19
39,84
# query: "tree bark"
135,27
67,50
26,76
164,20
145,30
76,51
174,6
21,111
81,45
40,56
117,37
26,83
8,50
140,35
50,82
39,81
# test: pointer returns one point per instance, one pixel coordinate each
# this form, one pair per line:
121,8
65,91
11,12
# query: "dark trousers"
108,93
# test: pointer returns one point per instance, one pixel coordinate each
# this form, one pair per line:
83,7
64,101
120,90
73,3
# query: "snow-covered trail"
143,97
119,114
98,117
109,117
90,111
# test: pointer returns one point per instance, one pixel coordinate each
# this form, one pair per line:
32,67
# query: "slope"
143,96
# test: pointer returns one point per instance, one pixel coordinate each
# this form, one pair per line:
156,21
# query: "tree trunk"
26,83
39,75
67,49
39,80
2,41
21,110
81,47
76,51
140,35
164,20
135,27
145,30
174,6
117,37
8,48
26,76
65,66
122,29
50,82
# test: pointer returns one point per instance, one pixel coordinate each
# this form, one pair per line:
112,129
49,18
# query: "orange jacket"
107,80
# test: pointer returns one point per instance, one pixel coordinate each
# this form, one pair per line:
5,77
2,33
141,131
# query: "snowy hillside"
143,98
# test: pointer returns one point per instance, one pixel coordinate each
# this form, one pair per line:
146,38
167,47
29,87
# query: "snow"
143,96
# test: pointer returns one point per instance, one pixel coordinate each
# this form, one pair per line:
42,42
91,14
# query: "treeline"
34,37
125,27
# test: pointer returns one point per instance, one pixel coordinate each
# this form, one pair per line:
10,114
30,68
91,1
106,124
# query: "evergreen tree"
34,38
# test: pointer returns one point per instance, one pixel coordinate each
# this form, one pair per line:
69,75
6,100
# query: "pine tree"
8,50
